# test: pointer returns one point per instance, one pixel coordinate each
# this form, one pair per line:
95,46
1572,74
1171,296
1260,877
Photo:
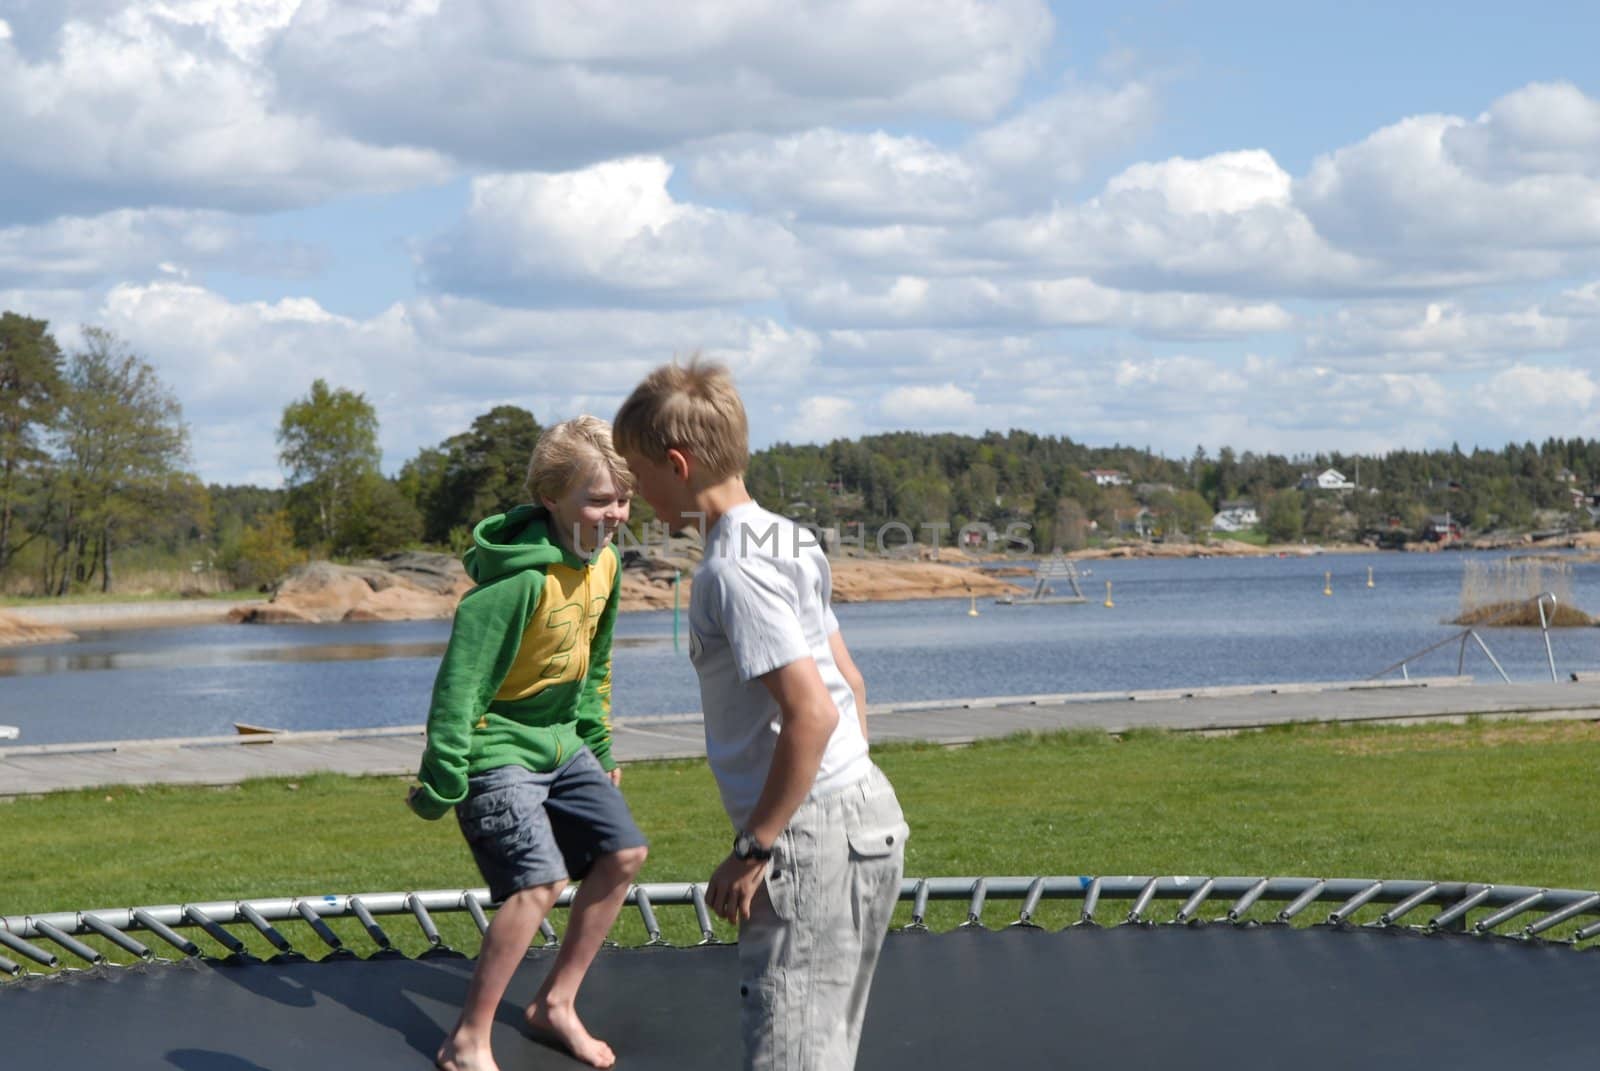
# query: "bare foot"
560,1024
461,1054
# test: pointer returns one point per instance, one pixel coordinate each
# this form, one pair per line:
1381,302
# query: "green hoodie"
526,678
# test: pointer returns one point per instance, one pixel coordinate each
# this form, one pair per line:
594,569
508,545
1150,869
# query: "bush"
264,553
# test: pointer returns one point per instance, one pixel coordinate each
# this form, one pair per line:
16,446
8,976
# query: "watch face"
745,846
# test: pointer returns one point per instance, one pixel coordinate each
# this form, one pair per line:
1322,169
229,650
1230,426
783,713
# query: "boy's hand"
734,886
615,773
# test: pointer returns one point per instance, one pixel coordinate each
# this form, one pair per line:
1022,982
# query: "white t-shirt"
759,602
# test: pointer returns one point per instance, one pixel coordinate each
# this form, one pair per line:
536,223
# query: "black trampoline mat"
1203,997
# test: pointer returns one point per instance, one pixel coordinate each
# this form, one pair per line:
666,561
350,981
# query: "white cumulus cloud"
135,110
116,245
938,405
605,233
560,86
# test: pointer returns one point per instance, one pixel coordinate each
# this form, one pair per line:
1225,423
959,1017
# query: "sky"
1361,228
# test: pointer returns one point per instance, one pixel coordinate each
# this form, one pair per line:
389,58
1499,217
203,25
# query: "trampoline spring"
1554,919
1506,914
702,916
318,927
114,935
71,944
1030,903
419,911
475,909
370,924
980,893
8,967
1191,905
1243,905
1459,910
1354,904
1146,894
1303,901
548,932
1091,900
265,928
1585,934
165,932
33,952
214,931
919,906
647,915
1408,905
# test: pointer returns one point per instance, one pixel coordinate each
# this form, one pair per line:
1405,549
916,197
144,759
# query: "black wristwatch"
745,846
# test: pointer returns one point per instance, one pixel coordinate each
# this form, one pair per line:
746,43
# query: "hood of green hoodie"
512,542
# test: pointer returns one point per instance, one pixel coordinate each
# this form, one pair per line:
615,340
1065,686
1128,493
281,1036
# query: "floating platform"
1053,570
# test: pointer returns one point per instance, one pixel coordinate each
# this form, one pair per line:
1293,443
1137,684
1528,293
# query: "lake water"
1175,623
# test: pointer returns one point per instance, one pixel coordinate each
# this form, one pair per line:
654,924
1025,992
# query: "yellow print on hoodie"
555,645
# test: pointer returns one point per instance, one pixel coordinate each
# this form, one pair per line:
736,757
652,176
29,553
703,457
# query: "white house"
1235,517
1326,480
1108,477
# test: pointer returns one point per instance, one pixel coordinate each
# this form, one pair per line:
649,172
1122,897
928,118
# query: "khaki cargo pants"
809,949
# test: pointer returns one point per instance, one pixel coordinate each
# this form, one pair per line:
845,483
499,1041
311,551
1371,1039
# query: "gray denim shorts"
527,829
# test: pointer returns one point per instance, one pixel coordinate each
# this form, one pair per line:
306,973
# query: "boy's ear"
682,463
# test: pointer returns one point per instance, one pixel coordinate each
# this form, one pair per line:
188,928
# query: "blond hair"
692,407
570,452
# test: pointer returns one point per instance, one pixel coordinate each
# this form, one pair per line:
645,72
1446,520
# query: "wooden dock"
36,769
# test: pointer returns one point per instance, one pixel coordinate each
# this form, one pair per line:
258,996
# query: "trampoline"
1244,974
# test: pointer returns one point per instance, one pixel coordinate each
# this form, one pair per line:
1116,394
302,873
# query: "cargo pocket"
869,842
488,815
782,879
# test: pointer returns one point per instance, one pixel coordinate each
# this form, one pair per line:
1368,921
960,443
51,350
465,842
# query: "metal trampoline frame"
1497,906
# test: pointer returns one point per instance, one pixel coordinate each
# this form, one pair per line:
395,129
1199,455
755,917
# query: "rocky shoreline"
418,586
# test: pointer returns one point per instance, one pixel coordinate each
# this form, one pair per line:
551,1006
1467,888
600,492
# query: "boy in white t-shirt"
819,845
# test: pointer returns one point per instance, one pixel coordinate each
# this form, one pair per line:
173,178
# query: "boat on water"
244,728
9,732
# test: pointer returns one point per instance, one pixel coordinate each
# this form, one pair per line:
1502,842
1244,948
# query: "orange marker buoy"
1327,583
1109,603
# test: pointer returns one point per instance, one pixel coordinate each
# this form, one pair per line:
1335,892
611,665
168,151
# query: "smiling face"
587,516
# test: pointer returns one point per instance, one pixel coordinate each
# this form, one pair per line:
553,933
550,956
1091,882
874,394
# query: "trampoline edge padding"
1242,996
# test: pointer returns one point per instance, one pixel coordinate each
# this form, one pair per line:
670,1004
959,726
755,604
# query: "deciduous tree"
121,446
328,445
31,388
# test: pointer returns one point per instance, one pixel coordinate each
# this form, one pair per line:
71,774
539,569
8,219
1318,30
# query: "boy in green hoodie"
519,735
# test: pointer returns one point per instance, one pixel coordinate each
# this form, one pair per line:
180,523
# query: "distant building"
1138,522
1441,529
1326,480
1235,517
977,534
1108,477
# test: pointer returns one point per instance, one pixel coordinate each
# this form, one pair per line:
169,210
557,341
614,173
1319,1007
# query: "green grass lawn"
1509,803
